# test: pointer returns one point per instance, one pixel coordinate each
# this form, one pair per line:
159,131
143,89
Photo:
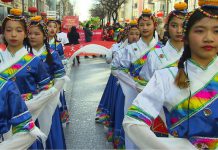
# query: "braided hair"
181,79
43,28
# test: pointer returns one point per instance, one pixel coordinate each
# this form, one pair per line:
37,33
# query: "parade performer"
135,58
57,46
166,56
27,70
38,37
120,39
52,33
133,35
14,113
188,93
103,111
110,110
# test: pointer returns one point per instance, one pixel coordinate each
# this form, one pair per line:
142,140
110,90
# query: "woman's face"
176,29
146,27
52,29
203,39
36,37
133,35
14,33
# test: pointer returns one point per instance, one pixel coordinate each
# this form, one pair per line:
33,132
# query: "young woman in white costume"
134,58
188,93
110,110
115,47
168,55
132,35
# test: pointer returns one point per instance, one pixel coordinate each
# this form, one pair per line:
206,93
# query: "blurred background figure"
61,36
73,37
88,35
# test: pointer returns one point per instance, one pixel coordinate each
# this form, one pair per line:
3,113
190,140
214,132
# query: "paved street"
85,90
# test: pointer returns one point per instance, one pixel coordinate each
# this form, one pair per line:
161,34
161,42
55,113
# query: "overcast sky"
82,8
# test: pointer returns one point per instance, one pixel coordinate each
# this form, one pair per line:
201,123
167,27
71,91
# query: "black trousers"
77,58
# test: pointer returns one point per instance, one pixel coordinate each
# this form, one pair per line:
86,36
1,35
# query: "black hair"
59,22
170,17
23,23
146,15
151,16
182,79
43,29
73,29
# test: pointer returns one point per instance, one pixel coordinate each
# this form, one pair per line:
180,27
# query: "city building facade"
133,8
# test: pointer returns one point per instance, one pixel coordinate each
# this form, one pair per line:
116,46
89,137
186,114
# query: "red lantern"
160,14
43,14
6,1
32,9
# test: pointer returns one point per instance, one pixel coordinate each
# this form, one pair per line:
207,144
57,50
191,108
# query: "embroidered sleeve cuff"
140,81
136,113
47,86
59,73
113,68
22,122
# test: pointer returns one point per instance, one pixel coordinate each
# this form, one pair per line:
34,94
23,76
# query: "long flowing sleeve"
60,50
115,64
148,69
23,128
20,118
42,77
145,108
58,70
144,138
125,60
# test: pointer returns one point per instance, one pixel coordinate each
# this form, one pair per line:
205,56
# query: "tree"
98,11
107,8
111,8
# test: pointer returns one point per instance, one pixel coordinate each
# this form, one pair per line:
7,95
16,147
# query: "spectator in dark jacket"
73,37
88,33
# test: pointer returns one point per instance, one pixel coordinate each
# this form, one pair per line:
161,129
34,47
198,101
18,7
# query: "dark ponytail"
181,79
27,45
49,58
